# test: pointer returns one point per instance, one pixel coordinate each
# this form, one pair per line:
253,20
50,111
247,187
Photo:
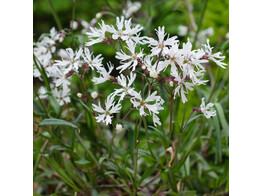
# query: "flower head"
106,114
205,109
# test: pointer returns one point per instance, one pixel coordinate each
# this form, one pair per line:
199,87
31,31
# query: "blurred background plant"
68,162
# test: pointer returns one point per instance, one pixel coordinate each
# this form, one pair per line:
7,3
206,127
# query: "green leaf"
184,193
180,164
82,161
147,173
58,122
101,160
56,147
218,148
54,103
62,174
222,119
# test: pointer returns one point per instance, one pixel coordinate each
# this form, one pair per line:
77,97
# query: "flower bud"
61,37
143,67
70,73
94,95
85,67
154,74
119,127
198,110
73,25
99,15
171,83
79,95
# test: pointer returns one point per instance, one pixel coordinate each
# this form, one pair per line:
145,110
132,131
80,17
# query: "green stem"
43,73
55,15
73,11
39,157
86,149
147,136
136,154
111,143
184,114
171,117
200,21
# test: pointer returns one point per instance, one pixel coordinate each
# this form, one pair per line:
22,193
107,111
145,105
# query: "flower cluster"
167,64
182,68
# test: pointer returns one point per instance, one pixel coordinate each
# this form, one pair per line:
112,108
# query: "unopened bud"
94,95
146,72
80,95
171,83
154,74
73,25
61,38
198,110
70,73
85,67
205,56
143,67
119,127
99,15
137,141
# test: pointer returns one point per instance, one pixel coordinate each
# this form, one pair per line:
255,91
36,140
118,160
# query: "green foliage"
71,151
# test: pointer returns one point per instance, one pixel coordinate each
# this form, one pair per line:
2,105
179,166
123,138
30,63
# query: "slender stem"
40,102
73,11
86,149
131,109
147,136
200,22
191,16
159,56
136,154
152,180
187,122
39,157
55,15
171,117
111,144
184,114
119,40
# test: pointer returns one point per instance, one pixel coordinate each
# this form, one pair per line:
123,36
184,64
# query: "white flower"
62,95
93,62
182,87
54,35
152,103
118,33
104,74
132,34
129,61
42,93
131,7
125,82
182,30
160,44
174,57
119,127
97,35
205,109
155,69
214,57
71,62
94,95
59,76
105,114
85,25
